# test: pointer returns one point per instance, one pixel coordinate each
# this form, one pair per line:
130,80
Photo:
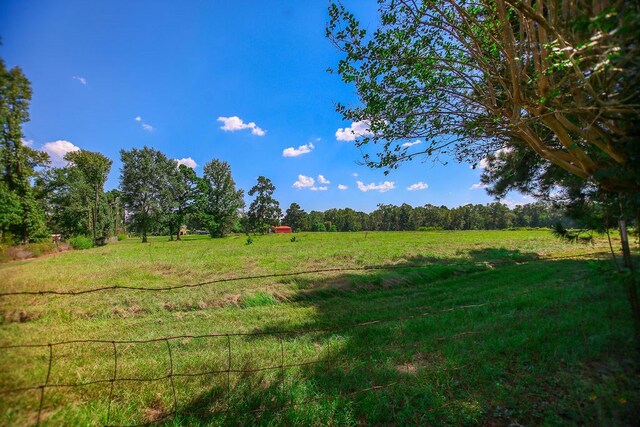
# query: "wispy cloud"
235,123
484,162
352,132
293,152
27,142
321,188
82,80
411,144
342,187
145,126
418,186
323,180
57,150
304,182
187,161
381,187
355,174
478,186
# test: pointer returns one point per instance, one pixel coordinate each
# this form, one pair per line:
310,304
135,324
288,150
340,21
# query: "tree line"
493,216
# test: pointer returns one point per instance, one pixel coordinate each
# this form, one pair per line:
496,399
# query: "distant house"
280,229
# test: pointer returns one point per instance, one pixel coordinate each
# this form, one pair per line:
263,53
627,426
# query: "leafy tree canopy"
557,79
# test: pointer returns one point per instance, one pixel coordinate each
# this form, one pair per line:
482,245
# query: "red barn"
281,229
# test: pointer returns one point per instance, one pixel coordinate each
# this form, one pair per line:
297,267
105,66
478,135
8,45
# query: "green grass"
491,332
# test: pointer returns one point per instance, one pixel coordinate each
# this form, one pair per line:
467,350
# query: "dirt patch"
227,300
419,361
156,412
132,311
19,316
33,418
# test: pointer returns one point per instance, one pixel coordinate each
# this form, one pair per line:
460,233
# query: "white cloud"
234,123
145,126
188,161
293,152
57,150
303,182
323,180
82,80
418,186
510,203
477,186
355,174
484,162
382,187
356,129
411,144
27,142
342,187
323,188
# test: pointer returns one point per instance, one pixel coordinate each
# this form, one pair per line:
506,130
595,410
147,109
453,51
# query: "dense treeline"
407,218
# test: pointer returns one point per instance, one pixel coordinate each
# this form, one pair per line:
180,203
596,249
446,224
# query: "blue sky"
241,81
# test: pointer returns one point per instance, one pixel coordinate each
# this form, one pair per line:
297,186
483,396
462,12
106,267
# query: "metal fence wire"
238,385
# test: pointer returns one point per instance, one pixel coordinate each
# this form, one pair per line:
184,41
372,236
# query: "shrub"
41,248
294,239
249,240
121,237
429,228
318,226
81,242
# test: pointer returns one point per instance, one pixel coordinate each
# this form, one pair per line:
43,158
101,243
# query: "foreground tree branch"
493,74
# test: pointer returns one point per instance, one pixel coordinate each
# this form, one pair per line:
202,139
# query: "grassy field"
423,328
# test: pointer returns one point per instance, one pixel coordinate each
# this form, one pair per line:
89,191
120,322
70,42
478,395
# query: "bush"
81,242
318,226
429,228
41,248
121,237
249,240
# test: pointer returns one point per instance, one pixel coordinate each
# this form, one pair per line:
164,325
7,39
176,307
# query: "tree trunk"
95,215
89,220
632,288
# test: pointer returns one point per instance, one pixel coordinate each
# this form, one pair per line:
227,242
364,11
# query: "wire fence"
227,358
329,360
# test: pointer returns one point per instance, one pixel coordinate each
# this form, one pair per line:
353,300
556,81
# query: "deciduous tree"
264,210
144,183
558,78
220,201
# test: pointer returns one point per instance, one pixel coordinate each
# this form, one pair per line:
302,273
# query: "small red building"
281,229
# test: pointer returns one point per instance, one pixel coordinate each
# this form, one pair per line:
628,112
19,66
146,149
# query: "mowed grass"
417,328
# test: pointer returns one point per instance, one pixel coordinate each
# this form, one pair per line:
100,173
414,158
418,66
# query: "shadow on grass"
498,337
